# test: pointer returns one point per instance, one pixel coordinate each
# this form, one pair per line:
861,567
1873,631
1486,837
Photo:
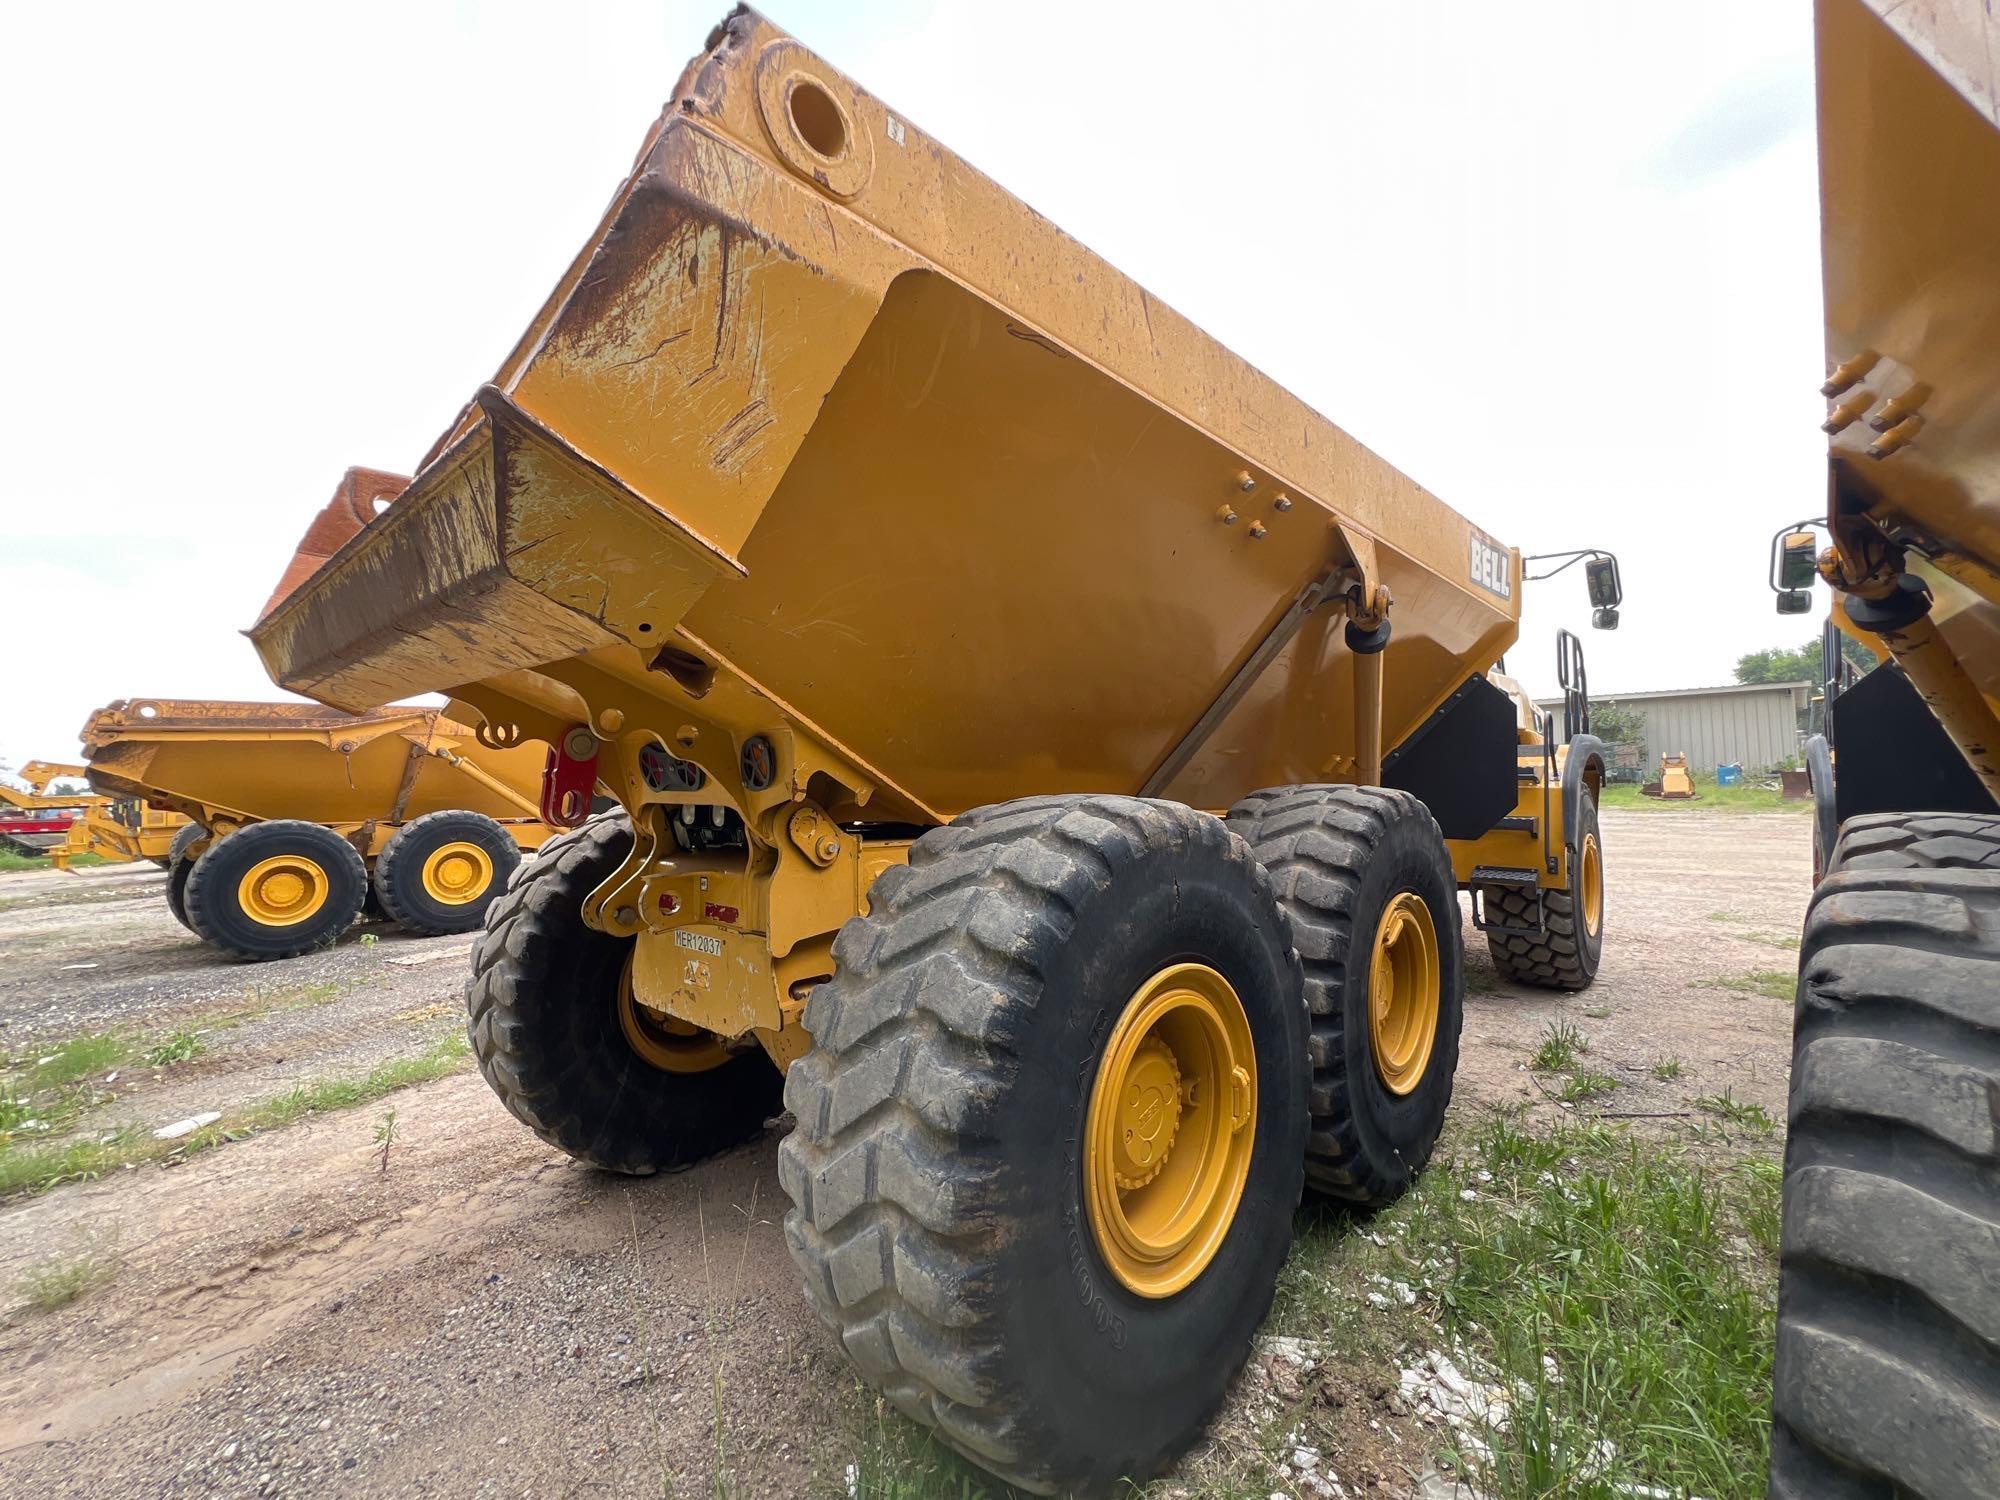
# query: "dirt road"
284,1315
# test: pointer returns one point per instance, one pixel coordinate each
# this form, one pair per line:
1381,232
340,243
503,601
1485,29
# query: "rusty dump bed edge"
209,716
822,406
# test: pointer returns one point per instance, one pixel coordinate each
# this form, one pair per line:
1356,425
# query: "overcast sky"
1556,262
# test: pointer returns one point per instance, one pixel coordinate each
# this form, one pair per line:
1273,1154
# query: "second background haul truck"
302,816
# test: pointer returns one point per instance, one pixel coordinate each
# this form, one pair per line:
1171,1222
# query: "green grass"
1613,1256
181,1046
1667,1069
11,861
1727,1107
59,1280
1562,1044
77,1057
29,1167
1642,1274
1711,799
1772,984
1584,1084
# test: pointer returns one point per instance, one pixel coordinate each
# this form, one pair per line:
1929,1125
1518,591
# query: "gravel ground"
483,1317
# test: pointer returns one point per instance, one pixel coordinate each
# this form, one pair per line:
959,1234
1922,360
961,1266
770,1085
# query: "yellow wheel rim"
669,1044
457,873
282,891
1593,885
1404,985
1169,1131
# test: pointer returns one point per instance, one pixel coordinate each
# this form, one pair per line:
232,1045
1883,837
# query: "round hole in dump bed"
817,118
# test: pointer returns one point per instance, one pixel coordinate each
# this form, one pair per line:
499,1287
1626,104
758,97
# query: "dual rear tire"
281,888
1067,1085
1000,1146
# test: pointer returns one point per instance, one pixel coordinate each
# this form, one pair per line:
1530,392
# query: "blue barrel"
1729,776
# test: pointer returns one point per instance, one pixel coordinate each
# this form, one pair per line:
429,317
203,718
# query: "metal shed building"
1754,725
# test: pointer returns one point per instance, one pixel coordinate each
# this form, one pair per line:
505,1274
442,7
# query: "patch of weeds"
899,1460
1787,941
447,1055
26,1168
1481,981
1772,984
1733,917
1598,1012
1667,1069
11,861
16,1109
385,1137
35,1168
1763,1185
1618,1261
369,939
60,1279
1585,1083
181,1046
1744,1116
1562,1044
78,1057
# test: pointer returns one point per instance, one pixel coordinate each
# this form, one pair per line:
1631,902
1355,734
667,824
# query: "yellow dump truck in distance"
301,816
1044,743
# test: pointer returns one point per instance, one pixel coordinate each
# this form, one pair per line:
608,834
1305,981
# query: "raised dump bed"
890,556
302,815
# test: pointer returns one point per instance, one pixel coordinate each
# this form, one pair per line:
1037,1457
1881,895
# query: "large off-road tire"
180,864
1887,1381
1565,953
439,873
1339,857
275,890
959,1202
544,1015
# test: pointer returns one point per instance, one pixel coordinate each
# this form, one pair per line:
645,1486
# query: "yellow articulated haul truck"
123,831
301,816
1888,1355
63,825
1048,751
39,821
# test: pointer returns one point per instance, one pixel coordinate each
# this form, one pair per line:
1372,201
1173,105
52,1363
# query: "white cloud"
1559,263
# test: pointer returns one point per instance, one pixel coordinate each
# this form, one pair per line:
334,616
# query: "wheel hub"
1168,1133
282,891
1405,987
457,873
1149,1112
1593,885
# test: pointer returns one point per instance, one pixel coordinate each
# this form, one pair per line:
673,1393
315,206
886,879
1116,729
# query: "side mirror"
1795,602
1606,592
1604,619
1798,566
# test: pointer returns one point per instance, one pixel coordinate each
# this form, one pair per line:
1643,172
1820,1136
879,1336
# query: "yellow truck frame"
923,590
